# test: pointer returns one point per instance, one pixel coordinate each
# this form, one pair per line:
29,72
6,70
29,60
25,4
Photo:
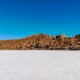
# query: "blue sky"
20,18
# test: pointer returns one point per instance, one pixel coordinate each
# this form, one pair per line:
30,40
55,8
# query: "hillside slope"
42,42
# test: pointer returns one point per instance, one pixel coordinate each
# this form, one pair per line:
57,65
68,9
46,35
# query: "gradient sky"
20,18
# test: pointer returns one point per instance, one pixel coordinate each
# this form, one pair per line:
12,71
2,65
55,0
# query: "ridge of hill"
42,42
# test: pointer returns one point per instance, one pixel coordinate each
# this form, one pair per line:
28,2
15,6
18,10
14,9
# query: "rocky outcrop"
42,42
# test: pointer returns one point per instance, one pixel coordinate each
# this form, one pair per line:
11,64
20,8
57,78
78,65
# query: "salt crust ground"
39,65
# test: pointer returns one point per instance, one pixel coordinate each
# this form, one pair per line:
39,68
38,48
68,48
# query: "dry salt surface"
39,65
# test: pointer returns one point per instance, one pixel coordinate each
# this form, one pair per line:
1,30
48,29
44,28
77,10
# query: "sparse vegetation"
42,42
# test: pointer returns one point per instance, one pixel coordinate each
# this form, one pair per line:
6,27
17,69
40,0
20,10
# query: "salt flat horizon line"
40,50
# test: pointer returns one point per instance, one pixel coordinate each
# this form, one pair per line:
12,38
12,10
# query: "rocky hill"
42,42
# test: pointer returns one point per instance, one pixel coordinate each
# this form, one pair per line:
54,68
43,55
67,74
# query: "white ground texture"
39,65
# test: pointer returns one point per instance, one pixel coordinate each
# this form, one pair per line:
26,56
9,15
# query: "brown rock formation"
42,42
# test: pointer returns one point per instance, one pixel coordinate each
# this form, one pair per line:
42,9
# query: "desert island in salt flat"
42,42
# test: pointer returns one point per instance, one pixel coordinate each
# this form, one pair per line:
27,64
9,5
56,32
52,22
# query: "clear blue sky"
20,18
